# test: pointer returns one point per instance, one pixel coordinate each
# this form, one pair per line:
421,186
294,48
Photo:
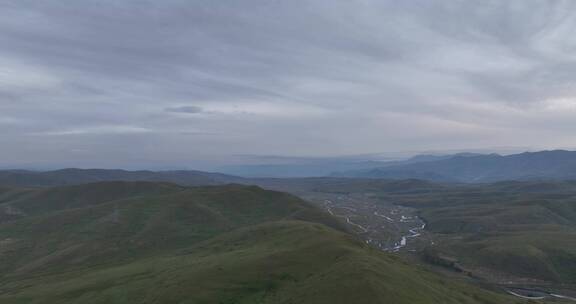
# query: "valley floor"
399,229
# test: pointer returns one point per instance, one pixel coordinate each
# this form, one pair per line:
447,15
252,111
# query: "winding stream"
536,294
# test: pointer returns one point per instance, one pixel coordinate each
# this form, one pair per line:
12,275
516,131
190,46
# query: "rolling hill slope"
521,232
522,229
127,242
280,262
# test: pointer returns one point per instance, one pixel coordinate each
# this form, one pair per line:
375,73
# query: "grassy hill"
134,219
278,262
512,230
72,176
127,242
525,229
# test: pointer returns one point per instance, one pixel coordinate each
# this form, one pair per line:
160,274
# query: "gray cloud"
185,109
303,77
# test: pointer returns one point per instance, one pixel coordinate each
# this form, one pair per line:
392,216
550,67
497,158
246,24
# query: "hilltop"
143,242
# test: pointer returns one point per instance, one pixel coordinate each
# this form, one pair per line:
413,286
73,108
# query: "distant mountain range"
475,168
303,168
462,167
25,178
317,167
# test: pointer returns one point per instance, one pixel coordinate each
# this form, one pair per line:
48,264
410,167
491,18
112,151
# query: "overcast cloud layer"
103,83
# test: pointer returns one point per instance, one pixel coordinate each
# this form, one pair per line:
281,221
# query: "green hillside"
133,223
280,262
161,243
38,201
524,229
512,231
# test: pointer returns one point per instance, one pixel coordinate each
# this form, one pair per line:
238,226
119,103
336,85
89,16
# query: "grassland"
519,231
280,262
161,243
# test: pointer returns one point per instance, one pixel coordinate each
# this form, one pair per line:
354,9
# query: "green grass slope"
508,231
137,226
280,262
43,200
161,243
523,229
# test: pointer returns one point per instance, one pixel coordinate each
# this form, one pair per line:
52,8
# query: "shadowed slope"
162,243
280,262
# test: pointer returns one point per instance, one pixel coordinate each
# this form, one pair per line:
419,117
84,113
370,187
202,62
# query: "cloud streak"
185,109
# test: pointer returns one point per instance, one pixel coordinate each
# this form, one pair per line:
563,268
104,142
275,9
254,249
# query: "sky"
194,83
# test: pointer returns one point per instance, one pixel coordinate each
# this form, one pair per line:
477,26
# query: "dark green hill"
24,178
278,262
510,231
161,243
524,229
42,200
138,219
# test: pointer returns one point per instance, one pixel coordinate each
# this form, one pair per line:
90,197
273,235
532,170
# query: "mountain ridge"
74,176
542,165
